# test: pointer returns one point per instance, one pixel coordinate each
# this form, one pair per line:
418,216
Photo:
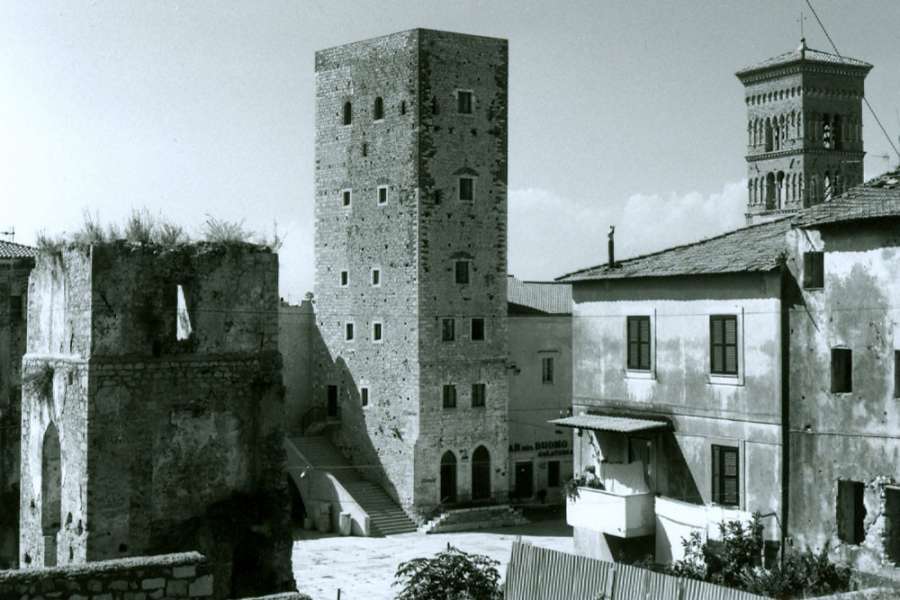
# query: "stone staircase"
385,516
478,517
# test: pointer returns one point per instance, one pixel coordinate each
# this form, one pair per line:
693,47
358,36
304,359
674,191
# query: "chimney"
611,246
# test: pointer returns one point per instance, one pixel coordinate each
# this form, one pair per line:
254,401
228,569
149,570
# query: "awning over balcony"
607,423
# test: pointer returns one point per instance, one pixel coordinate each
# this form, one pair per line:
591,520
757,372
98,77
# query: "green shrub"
450,575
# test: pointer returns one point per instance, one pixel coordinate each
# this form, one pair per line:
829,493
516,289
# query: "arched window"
347,113
378,109
448,478
770,191
481,474
780,190
51,493
769,142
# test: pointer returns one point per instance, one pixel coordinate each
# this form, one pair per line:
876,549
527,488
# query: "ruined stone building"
152,410
755,371
410,253
16,262
804,129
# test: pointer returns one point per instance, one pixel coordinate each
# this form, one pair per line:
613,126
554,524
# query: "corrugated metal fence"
536,573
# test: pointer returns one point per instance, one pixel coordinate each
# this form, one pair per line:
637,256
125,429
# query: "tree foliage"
449,575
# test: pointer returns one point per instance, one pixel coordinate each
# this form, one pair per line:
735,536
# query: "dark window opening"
638,343
896,373
382,195
466,189
723,349
477,330
364,396
376,332
448,330
464,102
403,107
851,512
15,309
725,476
365,149
553,473
479,393
348,113
378,109
813,270
345,278
346,196
462,271
449,396
841,370
348,332
892,525
332,407
376,277
547,369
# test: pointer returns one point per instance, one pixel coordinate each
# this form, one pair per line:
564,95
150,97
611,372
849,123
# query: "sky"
622,112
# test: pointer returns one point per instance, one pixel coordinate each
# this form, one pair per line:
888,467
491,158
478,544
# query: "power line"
866,100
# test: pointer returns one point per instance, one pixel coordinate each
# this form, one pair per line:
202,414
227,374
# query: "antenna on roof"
11,234
802,35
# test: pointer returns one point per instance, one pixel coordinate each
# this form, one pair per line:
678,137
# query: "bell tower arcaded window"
802,111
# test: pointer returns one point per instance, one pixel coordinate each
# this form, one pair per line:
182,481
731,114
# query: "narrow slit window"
378,109
477,329
376,331
364,396
403,107
183,327
346,198
347,116
376,277
345,278
382,197
348,332
547,369
466,189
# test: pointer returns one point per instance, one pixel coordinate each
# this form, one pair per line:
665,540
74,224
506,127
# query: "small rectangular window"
345,278
638,343
346,197
376,331
448,330
376,277
464,102
841,370
813,270
382,195
553,473
348,332
477,330
364,396
547,369
479,391
725,475
449,396
462,272
896,373
466,189
851,511
723,348
15,309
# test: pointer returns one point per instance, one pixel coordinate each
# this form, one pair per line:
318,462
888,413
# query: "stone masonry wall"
364,236
450,229
13,297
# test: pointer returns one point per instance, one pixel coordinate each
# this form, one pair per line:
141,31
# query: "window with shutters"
841,370
449,396
851,512
479,394
725,475
723,345
813,270
638,343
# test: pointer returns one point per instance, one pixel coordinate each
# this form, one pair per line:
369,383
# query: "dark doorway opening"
448,478
892,514
51,493
481,474
332,401
524,485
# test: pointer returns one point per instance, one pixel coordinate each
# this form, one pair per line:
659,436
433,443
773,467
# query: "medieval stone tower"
804,129
411,209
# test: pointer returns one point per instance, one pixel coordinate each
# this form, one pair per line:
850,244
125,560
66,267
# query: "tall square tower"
411,211
804,130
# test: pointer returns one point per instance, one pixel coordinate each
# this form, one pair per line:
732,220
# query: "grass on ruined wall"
144,228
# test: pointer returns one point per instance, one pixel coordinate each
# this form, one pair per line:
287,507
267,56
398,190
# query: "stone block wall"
162,444
13,301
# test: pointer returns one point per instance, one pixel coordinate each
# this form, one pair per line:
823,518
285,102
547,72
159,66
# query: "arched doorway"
481,474
448,478
51,493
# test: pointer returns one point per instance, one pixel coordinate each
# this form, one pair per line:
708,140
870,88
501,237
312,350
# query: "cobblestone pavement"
363,568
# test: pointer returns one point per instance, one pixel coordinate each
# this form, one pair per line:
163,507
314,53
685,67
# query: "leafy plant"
587,479
140,227
801,573
449,575
49,244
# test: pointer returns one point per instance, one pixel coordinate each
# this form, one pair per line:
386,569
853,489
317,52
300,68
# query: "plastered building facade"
411,209
152,410
804,130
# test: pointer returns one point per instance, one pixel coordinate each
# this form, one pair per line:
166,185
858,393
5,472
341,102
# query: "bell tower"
804,130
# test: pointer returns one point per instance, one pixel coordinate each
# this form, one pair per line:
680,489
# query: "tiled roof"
876,198
542,296
13,250
750,249
802,53
608,423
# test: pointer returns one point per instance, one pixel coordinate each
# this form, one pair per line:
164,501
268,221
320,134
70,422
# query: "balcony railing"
622,515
